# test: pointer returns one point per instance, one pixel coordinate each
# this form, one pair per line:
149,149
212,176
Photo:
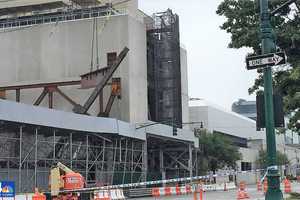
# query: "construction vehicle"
63,178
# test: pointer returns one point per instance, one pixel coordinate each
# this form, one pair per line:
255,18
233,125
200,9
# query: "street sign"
255,62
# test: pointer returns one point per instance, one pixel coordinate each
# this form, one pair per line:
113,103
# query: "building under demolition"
82,99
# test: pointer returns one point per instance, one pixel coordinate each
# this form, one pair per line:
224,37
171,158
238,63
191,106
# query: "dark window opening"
246,166
111,58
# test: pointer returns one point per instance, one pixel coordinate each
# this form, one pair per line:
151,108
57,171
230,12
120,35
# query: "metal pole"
145,160
190,160
54,144
20,160
71,150
87,160
268,46
125,163
161,161
132,160
35,157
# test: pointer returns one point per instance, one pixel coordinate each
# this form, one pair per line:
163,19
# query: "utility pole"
269,46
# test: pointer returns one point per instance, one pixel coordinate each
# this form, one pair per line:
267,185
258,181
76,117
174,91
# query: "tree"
262,160
217,152
242,22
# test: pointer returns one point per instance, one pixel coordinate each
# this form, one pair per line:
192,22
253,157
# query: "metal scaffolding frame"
164,68
169,158
28,152
63,14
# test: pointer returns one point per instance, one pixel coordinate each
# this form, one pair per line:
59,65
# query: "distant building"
245,108
242,131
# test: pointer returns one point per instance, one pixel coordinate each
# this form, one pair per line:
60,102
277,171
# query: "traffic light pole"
268,46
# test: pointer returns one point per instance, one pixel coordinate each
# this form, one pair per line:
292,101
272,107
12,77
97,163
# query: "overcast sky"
216,73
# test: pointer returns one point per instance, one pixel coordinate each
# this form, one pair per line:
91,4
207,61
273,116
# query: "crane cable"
95,39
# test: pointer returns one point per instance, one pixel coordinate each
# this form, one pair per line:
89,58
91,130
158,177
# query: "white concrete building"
241,129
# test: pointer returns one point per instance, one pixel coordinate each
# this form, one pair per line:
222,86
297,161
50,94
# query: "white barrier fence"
187,189
109,195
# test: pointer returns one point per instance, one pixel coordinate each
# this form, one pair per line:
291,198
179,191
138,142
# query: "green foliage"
242,22
262,160
217,152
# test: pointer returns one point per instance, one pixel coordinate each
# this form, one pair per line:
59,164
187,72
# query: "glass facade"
245,108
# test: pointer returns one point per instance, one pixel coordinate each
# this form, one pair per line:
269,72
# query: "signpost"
267,60
269,47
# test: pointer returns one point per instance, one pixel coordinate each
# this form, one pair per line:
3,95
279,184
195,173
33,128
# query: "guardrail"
65,15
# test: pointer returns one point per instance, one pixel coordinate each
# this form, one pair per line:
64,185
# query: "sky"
215,72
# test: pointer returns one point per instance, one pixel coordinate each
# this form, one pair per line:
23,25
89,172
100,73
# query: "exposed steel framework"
164,73
27,153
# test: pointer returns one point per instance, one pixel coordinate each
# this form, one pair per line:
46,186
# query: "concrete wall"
63,51
184,87
218,119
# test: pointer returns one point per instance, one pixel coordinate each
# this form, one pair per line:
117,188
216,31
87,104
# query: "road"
222,195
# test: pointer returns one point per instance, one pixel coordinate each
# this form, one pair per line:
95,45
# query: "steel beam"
177,161
161,164
41,97
18,94
66,97
108,106
35,157
84,109
190,160
50,99
40,85
101,102
20,158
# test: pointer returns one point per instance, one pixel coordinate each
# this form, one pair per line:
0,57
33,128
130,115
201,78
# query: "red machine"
62,178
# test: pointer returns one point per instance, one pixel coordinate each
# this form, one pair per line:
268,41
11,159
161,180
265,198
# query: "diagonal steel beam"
108,106
177,161
66,97
179,156
41,97
84,109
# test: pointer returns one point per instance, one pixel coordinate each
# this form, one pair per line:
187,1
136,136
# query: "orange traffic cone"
259,186
38,196
265,186
242,194
287,186
201,194
195,195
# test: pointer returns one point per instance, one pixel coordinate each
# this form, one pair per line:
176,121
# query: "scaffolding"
164,73
169,158
58,15
27,153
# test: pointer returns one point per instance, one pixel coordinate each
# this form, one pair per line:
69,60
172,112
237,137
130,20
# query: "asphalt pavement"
223,195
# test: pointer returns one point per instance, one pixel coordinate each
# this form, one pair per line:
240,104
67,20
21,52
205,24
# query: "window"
111,58
246,166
